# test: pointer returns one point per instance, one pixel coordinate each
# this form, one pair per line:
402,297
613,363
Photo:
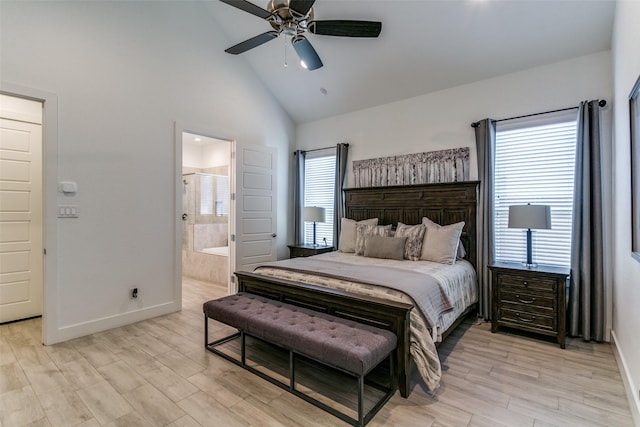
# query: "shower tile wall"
210,236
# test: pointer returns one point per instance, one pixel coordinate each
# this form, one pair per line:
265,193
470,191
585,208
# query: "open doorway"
207,213
21,209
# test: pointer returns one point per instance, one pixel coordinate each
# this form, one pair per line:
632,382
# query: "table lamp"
314,214
530,216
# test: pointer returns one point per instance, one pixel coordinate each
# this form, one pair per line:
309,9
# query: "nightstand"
529,299
308,250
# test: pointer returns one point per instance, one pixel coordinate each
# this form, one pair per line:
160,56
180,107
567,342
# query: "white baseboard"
87,328
629,386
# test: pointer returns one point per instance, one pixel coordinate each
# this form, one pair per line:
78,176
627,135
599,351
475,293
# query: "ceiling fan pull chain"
285,52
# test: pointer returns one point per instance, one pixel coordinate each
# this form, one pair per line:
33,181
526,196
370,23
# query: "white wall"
124,73
217,154
626,320
214,152
192,155
443,119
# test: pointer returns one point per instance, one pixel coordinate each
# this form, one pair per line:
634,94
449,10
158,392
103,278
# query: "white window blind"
319,181
222,195
534,163
206,194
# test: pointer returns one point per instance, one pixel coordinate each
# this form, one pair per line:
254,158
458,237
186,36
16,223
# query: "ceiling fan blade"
248,7
301,6
345,28
252,42
306,52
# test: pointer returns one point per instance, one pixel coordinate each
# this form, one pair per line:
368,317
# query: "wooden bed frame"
445,203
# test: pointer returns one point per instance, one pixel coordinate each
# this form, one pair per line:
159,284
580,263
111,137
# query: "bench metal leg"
243,354
206,330
292,371
363,418
360,403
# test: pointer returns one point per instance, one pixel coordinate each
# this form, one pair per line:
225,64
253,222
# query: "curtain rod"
601,103
319,149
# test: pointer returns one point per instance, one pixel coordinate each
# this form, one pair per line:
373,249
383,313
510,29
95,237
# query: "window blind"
222,195
534,163
206,194
319,181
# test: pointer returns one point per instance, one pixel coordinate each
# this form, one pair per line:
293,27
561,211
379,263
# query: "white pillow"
347,240
430,224
441,244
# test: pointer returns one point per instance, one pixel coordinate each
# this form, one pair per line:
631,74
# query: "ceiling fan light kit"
294,18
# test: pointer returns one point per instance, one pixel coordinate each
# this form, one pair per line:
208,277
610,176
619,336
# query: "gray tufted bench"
342,344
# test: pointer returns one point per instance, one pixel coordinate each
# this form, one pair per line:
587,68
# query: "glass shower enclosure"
205,207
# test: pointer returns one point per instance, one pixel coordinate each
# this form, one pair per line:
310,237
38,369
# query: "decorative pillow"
415,236
363,231
430,224
384,247
347,240
441,244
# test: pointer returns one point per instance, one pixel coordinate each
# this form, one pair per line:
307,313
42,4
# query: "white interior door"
21,251
255,199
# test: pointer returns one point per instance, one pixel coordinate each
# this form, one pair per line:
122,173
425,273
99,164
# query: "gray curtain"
485,145
342,150
298,197
586,311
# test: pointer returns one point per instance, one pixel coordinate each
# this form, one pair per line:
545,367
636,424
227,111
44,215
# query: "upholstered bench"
341,344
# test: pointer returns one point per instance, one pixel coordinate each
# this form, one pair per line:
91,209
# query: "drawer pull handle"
524,301
524,319
525,283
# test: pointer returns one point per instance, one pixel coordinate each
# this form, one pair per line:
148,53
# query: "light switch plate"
67,211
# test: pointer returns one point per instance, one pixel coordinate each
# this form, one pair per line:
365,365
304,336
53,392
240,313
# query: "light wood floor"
157,373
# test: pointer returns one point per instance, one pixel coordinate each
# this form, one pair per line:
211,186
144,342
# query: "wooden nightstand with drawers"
529,299
308,250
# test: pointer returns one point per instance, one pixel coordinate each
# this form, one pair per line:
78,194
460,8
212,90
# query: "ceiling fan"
295,18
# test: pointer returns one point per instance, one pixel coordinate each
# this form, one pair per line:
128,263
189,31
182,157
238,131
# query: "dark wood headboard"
445,203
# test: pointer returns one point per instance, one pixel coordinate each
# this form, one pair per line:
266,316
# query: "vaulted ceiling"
424,46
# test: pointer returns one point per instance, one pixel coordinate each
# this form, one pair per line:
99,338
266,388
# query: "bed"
308,282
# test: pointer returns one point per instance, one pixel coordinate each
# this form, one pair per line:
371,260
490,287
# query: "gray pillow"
347,240
430,224
384,247
441,244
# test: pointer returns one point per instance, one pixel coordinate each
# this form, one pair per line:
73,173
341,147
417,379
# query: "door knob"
274,235
185,216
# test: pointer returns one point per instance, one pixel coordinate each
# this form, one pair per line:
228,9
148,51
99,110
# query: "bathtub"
221,251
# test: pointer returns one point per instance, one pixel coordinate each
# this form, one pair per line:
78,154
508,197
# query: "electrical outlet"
134,292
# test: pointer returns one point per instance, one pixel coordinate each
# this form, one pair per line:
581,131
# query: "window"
319,182
222,195
206,194
534,163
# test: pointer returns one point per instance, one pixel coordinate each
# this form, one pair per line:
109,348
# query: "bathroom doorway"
206,208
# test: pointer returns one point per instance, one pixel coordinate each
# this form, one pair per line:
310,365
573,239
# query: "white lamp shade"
530,216
314,214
